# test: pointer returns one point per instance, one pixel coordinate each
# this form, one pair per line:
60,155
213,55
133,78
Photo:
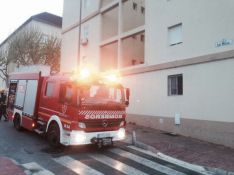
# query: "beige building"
48,24
176,56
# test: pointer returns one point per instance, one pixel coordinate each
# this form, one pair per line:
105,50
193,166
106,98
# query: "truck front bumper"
84,138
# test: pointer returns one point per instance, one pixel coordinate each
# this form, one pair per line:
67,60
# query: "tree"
4,63
24,47
51,53
29,47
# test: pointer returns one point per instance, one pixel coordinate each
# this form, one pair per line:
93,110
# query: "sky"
13,13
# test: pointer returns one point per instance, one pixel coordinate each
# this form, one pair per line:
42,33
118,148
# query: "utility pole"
78,54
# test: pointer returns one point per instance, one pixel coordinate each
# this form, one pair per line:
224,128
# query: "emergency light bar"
112,78
85,75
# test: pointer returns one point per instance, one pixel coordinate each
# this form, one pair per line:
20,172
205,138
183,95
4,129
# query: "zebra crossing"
122,160
76,166
146,162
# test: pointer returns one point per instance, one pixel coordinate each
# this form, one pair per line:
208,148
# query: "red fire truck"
69,110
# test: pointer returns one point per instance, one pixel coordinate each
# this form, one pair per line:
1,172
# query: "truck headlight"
121,133
79,137
81,125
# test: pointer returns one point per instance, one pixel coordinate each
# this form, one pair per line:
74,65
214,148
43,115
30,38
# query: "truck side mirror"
127,92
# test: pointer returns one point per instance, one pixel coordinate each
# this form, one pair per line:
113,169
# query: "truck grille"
102,124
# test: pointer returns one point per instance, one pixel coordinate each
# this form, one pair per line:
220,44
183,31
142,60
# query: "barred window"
175,84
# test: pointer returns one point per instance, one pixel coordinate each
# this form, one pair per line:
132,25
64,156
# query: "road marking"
35,168
116,164
146,162
181,163
76,166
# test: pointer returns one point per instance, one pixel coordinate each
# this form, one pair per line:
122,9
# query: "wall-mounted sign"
224,42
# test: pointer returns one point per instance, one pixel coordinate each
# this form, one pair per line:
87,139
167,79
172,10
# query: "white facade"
204,23
148,41
40,23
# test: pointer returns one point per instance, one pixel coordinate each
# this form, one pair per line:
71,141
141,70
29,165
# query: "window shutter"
175,34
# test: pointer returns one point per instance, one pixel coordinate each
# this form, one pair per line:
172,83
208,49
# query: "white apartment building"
48,24
176,56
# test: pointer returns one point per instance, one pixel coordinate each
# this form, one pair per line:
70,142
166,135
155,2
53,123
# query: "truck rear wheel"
16,122
53,136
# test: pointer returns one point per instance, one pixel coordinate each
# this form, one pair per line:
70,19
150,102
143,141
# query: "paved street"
32,153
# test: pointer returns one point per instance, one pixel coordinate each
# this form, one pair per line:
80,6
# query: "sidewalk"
9,167
184,148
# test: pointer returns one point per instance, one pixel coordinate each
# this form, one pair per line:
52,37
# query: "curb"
131,139
197,168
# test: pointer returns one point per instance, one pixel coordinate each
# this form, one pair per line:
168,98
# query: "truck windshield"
100,94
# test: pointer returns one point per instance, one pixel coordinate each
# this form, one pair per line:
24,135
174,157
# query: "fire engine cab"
69,110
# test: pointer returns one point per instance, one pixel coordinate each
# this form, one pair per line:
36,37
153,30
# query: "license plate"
103,135
106,141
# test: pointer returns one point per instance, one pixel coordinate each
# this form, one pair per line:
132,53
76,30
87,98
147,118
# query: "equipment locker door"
30,98
20,94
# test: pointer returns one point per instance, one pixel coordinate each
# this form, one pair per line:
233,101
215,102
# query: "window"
11,95
103,94
134,6
45,38
65,94
175,34
142,10
175,85
49,89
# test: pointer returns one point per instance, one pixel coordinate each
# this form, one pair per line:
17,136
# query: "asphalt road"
32,151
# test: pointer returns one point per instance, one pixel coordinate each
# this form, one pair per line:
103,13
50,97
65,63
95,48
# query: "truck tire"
16,122
53,136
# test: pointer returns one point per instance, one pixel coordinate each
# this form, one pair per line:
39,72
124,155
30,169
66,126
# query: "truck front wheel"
53,135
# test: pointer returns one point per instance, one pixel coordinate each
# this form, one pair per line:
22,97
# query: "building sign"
224,42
